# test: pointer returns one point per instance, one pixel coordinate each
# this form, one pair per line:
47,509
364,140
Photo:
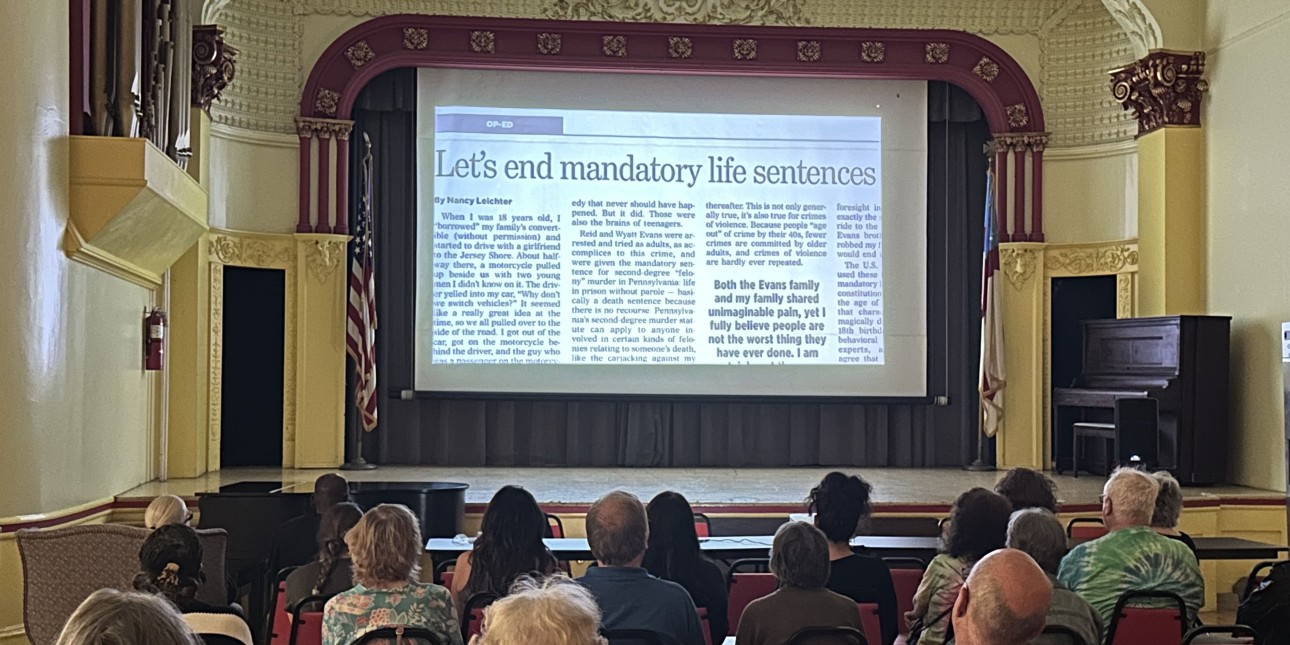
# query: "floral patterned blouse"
353,613
936,594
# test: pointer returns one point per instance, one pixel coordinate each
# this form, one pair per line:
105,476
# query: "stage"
712,490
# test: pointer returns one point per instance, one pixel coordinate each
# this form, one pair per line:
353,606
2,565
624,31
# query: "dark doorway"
251,420
1074,301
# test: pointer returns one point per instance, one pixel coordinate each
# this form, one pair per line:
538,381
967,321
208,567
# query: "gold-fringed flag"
360,341
993,380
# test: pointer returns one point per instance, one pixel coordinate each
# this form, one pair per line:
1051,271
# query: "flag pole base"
978,466
358,464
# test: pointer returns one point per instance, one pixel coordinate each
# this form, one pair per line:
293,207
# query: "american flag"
992,380
360,340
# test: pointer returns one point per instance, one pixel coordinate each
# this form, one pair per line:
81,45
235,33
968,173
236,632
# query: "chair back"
808,635
279,620
743,587
870,621
473,613
1133,624
554,527
62,567
1256,576
398,635
1060,635
1085,528
632,637
1222,635
1136,423
444,568
705,625
214,590
906,574
306,626
702,525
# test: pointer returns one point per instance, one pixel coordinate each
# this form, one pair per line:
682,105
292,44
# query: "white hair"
1132,494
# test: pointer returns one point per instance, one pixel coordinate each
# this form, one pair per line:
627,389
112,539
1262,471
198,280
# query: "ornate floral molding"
1018,264
1137,22
323,256
483,42
414,38
359,54
323,128
1162,89
549,44
250,251
986,69
1018,116
808,51
937,53
1036,142
1096,260
1124,295
744,48
215,368
327,101
873,52
615,46
214,65
743,12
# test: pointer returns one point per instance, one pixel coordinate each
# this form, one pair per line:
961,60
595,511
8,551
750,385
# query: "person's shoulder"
836,600
669,588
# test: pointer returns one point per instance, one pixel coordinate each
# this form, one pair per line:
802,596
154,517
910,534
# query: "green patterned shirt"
353,613
1134,558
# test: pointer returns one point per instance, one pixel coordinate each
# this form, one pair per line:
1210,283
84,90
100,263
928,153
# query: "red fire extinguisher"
154,324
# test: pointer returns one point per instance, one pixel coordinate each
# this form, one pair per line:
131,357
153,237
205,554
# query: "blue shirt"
630,598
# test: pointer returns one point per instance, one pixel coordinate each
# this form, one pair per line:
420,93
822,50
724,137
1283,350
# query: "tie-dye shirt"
936,594
353,613
1134,558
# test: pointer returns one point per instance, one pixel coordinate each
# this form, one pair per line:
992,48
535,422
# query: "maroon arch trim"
989,74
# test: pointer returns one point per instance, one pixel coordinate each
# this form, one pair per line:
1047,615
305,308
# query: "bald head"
329,490
618,530
1003,602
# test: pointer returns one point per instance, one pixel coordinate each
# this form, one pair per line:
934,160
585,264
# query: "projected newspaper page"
649,238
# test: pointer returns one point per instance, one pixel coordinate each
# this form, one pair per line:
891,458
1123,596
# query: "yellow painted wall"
77,416
254,181
1091,193
1247,219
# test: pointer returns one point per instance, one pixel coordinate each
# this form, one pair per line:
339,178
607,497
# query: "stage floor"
895,489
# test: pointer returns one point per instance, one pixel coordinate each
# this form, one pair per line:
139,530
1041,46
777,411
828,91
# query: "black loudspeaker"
1136,428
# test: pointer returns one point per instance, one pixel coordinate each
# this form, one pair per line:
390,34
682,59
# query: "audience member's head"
978,524
385,547
167,509
510,542
329,490
1128,499
170,564
618,530
555,611
335,524
1004,601
673,542
839,503
111,617
1026,488
1037,532
799,556
1169,501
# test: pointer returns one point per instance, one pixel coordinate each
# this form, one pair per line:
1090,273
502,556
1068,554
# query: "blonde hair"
167,509
385,546
1132,494
555,611
111,617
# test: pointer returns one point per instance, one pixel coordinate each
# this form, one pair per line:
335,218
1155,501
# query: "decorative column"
320,332
1164,91
1021,286
1024,225
320,217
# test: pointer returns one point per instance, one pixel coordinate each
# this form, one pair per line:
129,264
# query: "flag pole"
353,425
354,430
980,464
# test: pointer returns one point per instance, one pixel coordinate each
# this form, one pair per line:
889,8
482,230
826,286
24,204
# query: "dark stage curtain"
570,432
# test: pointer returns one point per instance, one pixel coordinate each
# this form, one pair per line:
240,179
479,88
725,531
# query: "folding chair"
306,626
743,588
1085,528
906,574
1062,634
808,634
554,527
472,623
443,573
278,625
1132,625
400,634
703,623
1256,577
1214,635
632,637
870,621
702,525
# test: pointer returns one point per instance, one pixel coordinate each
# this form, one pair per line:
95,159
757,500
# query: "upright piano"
1182,362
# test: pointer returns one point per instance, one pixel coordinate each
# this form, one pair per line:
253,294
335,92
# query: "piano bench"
1089,429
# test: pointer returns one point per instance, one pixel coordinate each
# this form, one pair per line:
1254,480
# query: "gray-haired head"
1169,501
1037,532
799,556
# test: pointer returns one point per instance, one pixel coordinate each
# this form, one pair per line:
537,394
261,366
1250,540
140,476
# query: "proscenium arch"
1006,95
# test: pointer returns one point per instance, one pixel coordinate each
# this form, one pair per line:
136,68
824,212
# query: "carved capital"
323,256
308,127
213,65
1162,89
1018,264
1032,141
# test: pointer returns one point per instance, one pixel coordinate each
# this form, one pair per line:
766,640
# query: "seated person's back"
629,597
331,572
385,547
295,541
799,559
1131,556
170,565
674,555
509,546
1037,533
